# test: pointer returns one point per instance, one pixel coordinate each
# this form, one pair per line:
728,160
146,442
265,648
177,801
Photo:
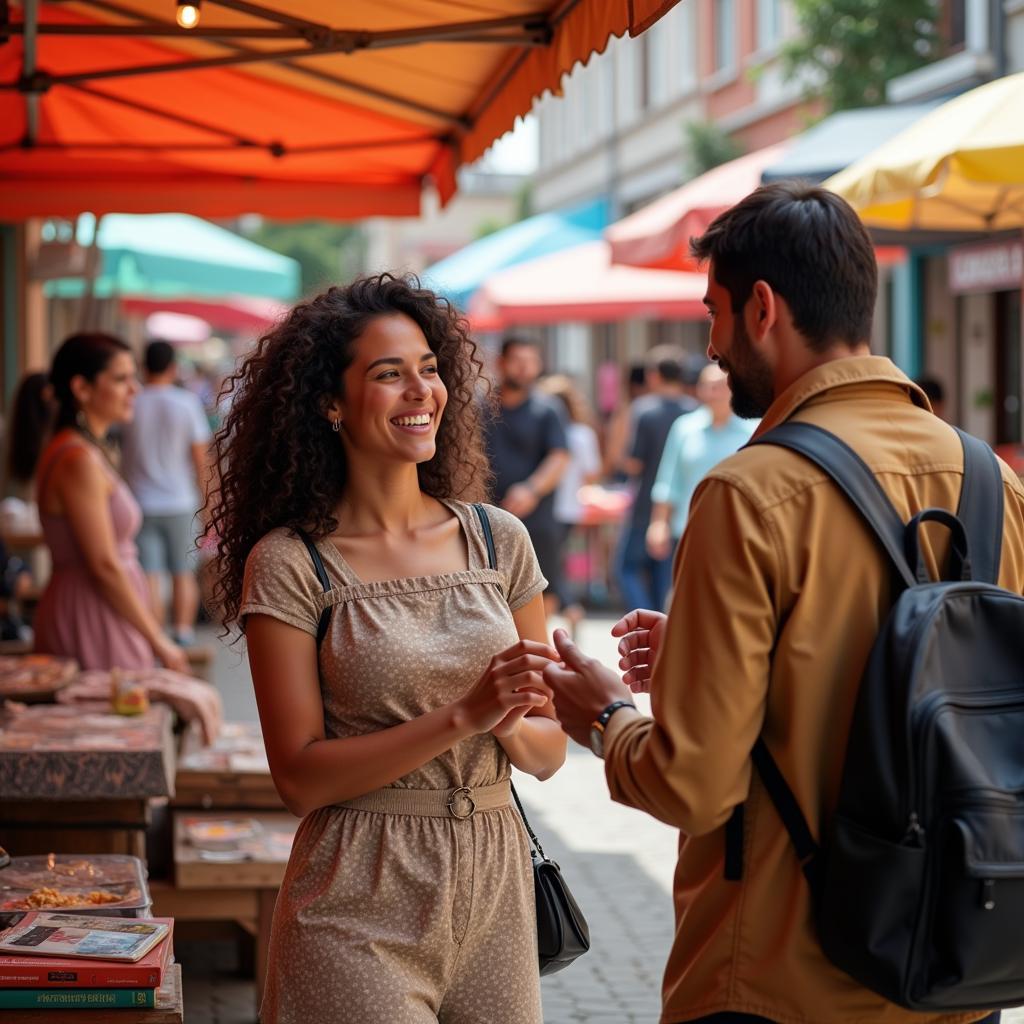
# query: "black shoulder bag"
562,932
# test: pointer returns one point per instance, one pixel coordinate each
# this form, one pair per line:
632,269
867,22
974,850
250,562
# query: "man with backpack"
835,736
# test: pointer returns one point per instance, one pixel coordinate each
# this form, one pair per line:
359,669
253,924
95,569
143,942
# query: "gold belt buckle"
468,794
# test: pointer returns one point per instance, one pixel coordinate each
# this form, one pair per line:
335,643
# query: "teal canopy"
175,254
458,276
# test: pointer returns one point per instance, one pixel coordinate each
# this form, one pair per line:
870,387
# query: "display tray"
83,752
238,851
32,678
110,885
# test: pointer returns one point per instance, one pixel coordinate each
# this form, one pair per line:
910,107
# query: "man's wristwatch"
598,726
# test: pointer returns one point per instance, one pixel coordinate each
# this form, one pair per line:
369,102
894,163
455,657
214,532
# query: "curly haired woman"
408,897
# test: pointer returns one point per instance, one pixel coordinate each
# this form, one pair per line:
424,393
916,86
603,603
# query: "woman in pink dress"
95,607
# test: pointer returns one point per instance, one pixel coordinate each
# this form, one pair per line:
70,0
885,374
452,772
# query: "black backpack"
918,889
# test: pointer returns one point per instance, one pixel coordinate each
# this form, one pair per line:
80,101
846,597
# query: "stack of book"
67,961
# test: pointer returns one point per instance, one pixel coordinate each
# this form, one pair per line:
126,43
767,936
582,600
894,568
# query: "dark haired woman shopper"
95,607
408,897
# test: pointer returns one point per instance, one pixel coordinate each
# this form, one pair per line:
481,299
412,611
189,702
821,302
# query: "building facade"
619,129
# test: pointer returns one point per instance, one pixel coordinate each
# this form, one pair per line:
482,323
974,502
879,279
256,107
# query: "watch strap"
602,719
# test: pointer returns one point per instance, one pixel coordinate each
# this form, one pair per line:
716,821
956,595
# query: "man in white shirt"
165,462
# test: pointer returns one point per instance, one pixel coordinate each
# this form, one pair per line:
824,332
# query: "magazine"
69,935
63,972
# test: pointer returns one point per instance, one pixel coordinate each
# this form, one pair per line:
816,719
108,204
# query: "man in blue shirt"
697,442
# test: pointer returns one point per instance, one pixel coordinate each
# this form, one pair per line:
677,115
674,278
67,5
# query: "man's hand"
641,631
520,500
582,687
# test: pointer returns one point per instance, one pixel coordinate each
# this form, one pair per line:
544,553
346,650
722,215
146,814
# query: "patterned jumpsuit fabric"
387,918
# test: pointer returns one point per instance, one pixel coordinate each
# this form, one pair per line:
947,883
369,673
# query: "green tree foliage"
327,252
707,146
849,49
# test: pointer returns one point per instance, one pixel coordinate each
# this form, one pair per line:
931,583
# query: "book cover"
70,935
66,972
76,998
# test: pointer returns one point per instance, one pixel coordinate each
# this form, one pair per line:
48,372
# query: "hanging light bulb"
187,13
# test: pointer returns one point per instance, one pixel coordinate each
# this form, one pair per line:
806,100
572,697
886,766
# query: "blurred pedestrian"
165,461
529,453
696,443
584,468
616,434
644,580
95,607
395,703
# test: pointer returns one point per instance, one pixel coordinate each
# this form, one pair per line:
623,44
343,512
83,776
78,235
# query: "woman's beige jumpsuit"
388,918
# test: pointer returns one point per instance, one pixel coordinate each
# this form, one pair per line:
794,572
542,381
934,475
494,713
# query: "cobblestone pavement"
618,862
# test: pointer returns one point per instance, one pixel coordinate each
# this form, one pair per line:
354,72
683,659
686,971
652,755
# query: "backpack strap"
858,483
325,581
852,475
981,507
492,563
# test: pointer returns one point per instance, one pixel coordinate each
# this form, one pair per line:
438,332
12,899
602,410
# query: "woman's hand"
641,631
511,686
171,655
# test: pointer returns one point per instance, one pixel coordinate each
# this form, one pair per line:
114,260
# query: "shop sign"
58,259
993,267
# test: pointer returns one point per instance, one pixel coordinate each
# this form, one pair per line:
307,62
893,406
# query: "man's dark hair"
667,361
159,356
810,247
512,341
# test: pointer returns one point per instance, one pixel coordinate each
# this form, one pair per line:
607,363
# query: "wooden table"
243,889
169,1009
231,774
78,779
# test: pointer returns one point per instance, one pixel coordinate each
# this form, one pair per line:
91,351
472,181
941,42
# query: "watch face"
597,741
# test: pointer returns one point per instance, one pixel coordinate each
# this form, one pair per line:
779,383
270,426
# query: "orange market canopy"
292,108
580,285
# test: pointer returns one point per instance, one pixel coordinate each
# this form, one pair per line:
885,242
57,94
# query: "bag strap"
492,563
325,581
981,507
485,525
852,476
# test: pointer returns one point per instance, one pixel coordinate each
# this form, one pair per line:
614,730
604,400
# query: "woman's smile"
414,423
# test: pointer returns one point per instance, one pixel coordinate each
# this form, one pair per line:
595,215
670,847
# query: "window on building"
725,34
956,24
769,23
681,58
658,40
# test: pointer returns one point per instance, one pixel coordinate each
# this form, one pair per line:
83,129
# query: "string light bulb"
187,13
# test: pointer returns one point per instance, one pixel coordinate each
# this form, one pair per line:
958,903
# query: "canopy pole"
28,68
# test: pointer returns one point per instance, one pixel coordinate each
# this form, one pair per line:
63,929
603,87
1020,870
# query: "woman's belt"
459,802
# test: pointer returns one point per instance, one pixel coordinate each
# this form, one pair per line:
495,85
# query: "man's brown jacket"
780,590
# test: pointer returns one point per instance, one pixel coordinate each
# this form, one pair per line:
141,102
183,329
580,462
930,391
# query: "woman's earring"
336,425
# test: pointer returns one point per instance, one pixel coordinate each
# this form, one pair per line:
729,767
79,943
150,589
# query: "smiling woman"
398,674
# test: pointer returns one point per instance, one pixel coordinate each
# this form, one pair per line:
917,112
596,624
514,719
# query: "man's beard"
750,377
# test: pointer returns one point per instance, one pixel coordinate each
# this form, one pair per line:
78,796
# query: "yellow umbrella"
960,168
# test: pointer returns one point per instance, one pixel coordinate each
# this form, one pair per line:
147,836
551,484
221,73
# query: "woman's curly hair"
278,462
